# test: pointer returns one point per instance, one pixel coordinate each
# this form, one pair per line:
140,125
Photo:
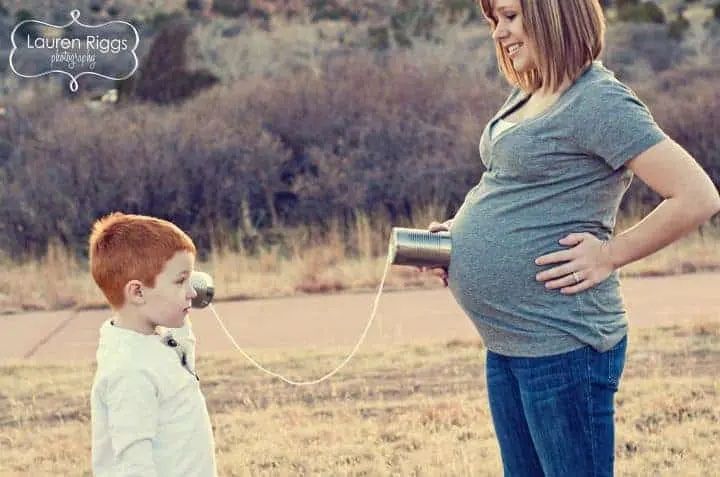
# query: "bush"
158,19
646,12
28,28
636,43
457,9
370,133
678,27
231,8
163,75
686,105
301,150
331,10
199,166
369,141
378,38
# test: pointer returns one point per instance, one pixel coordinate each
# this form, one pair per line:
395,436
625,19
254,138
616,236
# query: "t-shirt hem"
512,345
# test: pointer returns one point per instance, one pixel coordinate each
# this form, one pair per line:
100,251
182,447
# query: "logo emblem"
74,49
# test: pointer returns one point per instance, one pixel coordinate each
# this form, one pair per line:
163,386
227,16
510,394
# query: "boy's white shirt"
149,416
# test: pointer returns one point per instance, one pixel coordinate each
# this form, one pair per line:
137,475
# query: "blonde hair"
568,34
132,247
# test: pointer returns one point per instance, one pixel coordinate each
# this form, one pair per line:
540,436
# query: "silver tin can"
204,287
419,247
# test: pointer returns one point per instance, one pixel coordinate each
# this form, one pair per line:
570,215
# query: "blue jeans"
554,415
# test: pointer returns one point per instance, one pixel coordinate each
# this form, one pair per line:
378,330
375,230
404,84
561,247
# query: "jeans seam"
588,392
611,366
581,311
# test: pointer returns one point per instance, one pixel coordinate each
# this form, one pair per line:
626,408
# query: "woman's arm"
690,200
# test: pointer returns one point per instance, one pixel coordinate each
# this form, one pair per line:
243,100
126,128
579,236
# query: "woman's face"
511,36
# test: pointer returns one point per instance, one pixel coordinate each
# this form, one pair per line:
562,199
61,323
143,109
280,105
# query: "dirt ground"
334,321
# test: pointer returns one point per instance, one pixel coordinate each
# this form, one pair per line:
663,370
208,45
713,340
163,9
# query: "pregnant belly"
492,263
492,270
492,253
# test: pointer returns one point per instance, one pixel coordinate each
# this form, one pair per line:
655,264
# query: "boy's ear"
134,292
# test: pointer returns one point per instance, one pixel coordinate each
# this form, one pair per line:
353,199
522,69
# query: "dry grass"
411,410
340,259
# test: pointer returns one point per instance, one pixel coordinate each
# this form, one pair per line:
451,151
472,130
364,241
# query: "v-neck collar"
521,98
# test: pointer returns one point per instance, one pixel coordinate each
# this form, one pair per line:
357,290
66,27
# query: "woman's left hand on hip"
585,264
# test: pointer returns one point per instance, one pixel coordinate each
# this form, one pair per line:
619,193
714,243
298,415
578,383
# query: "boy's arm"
132,406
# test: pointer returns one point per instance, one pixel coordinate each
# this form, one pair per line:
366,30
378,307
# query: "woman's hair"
568,34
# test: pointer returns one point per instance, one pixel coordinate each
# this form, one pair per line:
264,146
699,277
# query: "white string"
340,366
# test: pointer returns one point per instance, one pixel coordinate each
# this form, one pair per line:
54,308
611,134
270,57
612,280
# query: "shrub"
300,150
28,28
231,8
645,12
635,43
330,10
378,37
678,27
163,75
379,134
457,9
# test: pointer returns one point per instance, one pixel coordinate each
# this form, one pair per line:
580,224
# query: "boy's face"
169,301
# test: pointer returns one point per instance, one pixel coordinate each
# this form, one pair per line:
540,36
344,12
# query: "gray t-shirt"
556,173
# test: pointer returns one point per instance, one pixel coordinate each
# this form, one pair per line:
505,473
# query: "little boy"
149,416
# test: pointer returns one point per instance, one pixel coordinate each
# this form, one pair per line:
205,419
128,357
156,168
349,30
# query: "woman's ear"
134,292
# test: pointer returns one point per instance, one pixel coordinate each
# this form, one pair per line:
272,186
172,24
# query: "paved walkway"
337,320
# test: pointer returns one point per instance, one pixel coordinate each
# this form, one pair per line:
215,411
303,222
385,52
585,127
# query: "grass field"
412,410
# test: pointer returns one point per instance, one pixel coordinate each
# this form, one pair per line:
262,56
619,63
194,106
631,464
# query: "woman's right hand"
440,272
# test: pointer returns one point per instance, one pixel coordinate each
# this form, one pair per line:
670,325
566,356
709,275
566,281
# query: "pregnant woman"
534,259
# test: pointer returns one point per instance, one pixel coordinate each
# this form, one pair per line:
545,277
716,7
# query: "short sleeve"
612,123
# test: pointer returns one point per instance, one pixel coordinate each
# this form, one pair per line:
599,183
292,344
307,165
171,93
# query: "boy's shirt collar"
110,331
115,340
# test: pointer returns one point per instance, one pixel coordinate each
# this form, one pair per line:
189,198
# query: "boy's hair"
567,33
127,247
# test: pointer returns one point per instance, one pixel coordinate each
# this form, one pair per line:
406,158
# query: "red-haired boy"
149,416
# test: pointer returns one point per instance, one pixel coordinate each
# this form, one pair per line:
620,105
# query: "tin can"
204,287
420,247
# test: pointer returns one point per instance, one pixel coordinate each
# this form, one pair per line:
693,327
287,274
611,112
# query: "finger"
572,239
554,257
582,286
555,272
566,281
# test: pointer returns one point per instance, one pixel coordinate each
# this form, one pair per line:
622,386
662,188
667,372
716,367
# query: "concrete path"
337,320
